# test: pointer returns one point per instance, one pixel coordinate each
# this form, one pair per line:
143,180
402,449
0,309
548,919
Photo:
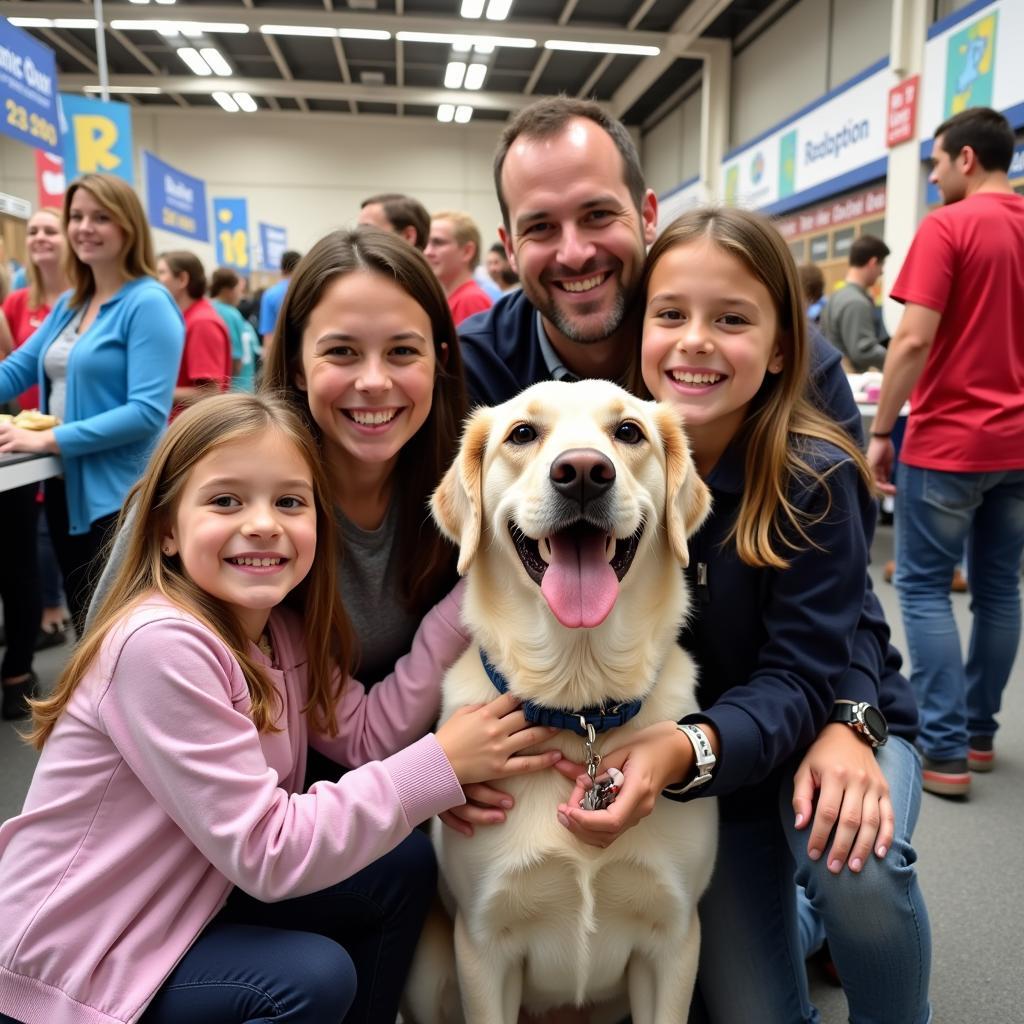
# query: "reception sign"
28,90
175,201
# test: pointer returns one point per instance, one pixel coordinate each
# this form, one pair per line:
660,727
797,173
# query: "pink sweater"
155,794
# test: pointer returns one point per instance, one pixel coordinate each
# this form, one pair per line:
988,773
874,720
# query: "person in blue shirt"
105,359
777,582
273,297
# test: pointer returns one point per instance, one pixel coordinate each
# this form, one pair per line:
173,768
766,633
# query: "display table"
20,468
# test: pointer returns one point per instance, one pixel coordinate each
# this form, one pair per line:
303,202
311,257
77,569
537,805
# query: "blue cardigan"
121,376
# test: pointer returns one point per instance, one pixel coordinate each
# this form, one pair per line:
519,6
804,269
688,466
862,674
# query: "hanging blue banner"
231,233
97,137
28,90
175,201
273,242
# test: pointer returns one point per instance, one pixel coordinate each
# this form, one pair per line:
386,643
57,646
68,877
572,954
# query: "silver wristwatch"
705,759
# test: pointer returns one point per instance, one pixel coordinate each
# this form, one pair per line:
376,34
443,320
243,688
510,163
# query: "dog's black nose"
582,475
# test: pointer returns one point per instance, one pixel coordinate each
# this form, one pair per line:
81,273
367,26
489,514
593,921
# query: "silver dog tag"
603,793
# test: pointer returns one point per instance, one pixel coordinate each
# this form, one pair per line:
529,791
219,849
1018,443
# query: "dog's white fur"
540,918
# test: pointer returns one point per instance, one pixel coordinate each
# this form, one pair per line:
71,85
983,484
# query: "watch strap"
704,759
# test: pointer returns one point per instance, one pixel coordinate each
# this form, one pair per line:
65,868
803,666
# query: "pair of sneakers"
953,777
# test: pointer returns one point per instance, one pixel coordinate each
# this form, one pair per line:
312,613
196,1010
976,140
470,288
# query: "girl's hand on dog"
481,741
656,757
485,805
853,798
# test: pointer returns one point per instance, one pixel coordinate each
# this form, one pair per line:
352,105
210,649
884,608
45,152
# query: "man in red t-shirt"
206,359
453,250
958,355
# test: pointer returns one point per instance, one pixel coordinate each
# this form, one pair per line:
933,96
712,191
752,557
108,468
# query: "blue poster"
273,242
28,90
175,201
231,233
97,137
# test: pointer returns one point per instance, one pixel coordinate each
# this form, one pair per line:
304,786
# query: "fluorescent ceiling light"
463,113
497,10
446,112
246,102
147,1
32,22
170,28
458,38
225,100
363,33
195,63
454,74
74,22
298,30
628,48
472,8
140,90
475,75
218,65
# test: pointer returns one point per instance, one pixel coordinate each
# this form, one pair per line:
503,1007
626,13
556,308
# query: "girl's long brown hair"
782,422
428,560
146,569
119,199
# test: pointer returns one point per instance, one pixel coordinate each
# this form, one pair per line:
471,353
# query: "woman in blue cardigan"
105,359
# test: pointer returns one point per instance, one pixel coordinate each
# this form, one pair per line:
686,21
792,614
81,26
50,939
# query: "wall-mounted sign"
273,242
231,233
175,201
28,90
50,180
869,203
902,123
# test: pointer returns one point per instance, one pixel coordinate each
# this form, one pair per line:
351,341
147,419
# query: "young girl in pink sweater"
166,866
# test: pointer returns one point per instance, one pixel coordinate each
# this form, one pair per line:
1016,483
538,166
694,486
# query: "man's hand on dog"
656,757
853,798
483,741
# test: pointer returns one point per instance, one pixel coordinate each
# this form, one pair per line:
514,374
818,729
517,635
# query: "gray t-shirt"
850,322
55,363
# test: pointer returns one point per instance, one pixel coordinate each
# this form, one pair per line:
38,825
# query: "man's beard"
589,334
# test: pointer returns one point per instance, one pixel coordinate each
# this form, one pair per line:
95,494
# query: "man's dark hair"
289,260
403,212
222,279
181,261
548,117
866,248
985,130
499,249
812,282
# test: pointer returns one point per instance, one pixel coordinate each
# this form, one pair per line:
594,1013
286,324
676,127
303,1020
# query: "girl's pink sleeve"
175,708
402,707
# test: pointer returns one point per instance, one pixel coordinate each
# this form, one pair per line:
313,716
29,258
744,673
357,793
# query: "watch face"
876,723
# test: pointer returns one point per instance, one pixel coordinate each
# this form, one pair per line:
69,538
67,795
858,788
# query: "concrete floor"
967,855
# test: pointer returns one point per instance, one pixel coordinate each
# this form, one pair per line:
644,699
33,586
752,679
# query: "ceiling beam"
602,66
542,61
388,22
286,74
685,32
79,54
292,89
339,56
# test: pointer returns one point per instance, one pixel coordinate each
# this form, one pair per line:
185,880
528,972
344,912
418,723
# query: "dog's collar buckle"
582,721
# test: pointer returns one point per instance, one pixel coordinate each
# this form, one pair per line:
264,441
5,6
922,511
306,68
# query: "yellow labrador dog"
571,505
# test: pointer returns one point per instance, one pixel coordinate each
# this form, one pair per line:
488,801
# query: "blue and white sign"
231,233
680,199
827,148
175,201
28,90
273,242
97,137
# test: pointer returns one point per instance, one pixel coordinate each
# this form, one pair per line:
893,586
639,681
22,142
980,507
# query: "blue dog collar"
601,719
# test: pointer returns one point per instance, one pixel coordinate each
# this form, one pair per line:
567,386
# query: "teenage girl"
777,577
173,752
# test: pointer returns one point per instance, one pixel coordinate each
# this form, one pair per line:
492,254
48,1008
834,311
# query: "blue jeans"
752,957
341,954
936,513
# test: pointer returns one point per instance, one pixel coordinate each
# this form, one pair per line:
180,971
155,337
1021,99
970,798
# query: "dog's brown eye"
522,434
629,433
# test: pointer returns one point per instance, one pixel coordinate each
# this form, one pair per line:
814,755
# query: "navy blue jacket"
777,656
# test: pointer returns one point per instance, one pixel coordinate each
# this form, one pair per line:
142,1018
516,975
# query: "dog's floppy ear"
687,498
457,504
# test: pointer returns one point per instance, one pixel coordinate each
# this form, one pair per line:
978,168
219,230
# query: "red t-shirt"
207,352
23,323
967,408
467,299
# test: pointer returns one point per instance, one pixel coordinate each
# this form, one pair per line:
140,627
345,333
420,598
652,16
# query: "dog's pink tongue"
579,584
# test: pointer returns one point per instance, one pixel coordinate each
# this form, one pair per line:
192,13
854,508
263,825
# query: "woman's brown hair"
427,559
783,425
118,198
219,420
